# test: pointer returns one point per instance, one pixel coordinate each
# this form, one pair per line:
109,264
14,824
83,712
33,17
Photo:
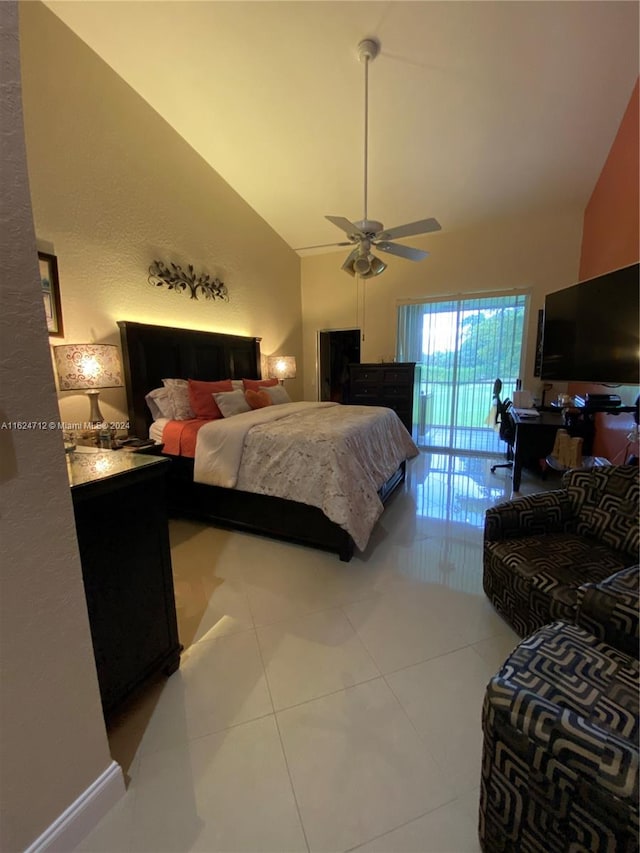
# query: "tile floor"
322,706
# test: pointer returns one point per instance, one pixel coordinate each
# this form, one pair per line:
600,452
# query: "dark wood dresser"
382,384
119,503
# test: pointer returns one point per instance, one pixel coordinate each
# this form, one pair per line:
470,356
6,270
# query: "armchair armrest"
530,515
610,610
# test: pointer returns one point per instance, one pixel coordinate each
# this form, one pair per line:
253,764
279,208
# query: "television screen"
591,330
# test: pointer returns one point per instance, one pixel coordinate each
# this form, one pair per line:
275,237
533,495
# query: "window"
461,346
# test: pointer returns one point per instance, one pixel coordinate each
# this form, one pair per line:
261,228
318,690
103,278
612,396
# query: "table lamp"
281,367
88,367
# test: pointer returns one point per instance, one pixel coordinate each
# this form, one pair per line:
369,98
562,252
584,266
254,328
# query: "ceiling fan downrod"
368,49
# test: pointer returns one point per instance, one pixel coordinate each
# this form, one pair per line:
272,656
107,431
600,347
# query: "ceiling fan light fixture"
366,267
347,266
376,266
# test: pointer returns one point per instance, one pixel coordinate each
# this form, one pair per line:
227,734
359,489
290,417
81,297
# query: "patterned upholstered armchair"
560,756
539,549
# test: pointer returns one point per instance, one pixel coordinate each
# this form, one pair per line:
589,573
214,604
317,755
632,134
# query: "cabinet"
381,384
119,504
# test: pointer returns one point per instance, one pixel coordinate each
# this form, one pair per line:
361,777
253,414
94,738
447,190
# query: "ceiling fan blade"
322,246
348,227
422,226
402,251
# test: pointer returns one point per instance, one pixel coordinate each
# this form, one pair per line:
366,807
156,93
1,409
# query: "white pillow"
160,404
278,393
231,403
237,385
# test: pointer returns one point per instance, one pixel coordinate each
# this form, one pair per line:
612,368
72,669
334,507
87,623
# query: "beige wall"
114,187
53,740
540,252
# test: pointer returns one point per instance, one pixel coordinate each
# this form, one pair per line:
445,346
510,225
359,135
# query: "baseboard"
68,830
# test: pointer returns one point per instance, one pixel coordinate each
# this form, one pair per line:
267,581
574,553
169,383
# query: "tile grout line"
284,752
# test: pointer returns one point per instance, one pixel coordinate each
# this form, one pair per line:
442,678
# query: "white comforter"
324,454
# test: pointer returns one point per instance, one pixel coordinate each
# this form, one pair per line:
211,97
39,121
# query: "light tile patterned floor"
322,706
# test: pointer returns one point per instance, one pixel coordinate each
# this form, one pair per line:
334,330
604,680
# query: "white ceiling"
477,109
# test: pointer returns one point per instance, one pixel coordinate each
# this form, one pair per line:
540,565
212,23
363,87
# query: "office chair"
507,430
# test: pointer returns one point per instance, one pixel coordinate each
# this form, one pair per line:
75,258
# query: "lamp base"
95,415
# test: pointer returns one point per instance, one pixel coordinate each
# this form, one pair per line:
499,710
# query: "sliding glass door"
461,346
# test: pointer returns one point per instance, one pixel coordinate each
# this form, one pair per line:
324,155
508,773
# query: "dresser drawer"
365,374
365,396
395,392
397,376
399,407
365,386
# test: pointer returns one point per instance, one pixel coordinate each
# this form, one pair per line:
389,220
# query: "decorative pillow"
237,384
232,403
277,394
201,397
258,384
160,404
179,395
258,399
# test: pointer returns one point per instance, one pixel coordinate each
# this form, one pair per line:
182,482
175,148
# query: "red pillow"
201,397
257,399
257,384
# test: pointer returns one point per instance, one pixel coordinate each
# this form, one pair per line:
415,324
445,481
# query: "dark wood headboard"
153,353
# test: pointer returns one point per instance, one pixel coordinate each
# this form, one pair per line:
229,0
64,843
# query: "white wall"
53,739
538,251
114,187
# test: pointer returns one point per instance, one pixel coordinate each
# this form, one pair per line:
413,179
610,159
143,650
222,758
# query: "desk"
535,438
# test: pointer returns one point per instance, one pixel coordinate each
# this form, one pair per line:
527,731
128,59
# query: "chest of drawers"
384,384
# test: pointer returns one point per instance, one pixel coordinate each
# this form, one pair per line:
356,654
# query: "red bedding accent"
179,437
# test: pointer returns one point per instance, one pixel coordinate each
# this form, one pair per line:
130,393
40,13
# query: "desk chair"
506,427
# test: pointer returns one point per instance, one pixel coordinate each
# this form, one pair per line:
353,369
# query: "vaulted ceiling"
477,109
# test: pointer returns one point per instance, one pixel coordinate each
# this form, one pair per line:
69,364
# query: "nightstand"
119,503
152,449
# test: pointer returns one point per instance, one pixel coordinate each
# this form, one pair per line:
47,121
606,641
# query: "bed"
153,353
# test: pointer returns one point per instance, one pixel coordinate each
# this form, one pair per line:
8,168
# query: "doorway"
336,351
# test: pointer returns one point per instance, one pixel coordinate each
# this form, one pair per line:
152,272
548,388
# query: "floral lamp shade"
281,367
88,367
82,367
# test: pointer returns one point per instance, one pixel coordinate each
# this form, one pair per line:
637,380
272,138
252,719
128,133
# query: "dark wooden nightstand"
152,449
120,510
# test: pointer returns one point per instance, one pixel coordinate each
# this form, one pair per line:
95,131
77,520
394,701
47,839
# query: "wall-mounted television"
591,330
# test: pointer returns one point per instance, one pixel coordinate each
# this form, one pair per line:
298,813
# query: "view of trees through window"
461,347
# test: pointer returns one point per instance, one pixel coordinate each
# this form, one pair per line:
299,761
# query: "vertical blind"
461,346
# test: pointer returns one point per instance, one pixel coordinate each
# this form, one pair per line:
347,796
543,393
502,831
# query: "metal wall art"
179,280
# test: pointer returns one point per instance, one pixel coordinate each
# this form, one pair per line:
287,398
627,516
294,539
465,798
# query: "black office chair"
507,429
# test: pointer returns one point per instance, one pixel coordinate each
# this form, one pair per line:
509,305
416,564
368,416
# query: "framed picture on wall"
51,293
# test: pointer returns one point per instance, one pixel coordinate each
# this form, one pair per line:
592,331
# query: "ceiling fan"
366,233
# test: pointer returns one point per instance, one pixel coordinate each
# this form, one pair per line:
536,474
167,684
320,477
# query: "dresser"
382,384
120,512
